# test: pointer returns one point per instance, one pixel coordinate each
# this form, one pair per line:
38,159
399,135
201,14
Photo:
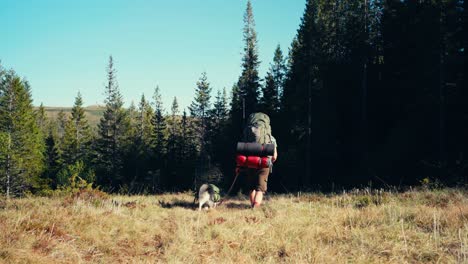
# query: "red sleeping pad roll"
253,162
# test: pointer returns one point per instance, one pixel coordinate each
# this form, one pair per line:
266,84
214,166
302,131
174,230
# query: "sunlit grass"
357,227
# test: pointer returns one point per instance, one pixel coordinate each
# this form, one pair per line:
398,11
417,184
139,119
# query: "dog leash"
230,189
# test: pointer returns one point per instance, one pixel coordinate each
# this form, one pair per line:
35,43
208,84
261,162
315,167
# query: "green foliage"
249,81
22,143
145,128
272,90
369,90
138,158
269,100
158,136
431,184
112,134
77,138
42,119
199,110
53,160
78,189
75,176
201,103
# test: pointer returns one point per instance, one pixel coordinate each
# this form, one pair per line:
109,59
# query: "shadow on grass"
239,206
194,206
178,203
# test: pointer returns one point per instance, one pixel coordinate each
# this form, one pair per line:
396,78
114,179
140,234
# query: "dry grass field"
354,227
93,113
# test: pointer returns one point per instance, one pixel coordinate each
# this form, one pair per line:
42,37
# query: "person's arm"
275,155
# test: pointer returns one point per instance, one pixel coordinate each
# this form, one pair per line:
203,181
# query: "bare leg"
258,198
252,197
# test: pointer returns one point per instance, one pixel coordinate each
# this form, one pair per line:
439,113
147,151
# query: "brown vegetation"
358,227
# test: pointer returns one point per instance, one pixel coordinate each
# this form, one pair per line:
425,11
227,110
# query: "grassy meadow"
355,227
93,113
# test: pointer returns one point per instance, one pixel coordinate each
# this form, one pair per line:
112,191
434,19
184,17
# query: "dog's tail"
205,187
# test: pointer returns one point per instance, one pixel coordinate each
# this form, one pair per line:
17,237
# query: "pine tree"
21,141
272,91
138,151
158,142
200,106
218,130
174,148
133,115
249,82
145,113
158,121
53,160
199,110
220,111
42,121
173,123
112,133
237,112
269,100
188,153
174,131
61,125
305,59
78,135
77,142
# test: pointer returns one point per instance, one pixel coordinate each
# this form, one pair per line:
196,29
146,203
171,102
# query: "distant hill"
93,113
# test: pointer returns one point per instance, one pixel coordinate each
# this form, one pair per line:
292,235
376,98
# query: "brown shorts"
257,179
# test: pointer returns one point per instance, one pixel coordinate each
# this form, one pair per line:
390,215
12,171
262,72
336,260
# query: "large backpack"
258,129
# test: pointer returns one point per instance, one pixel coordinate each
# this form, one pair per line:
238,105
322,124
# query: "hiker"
258,130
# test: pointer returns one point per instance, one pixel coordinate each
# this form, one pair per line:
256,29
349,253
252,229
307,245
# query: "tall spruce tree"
173,122
158,142
189,152
278,71
53,160
219,113
269,100
245,93
273,86
218,130
132,113
112,133
174,148
77,144
78,136
158,121
61,125
21,141
138,155
145,113
199,108
42,120
305,58
173,142
249,81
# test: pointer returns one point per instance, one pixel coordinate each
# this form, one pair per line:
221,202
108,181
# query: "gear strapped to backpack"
257,145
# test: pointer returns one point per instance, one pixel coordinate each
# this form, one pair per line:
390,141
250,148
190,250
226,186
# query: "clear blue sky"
62,47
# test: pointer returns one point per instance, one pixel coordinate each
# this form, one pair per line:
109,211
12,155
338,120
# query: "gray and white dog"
209,195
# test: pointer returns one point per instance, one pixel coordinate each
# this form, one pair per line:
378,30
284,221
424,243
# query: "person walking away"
258,130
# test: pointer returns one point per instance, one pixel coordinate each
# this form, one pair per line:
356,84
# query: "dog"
209,195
